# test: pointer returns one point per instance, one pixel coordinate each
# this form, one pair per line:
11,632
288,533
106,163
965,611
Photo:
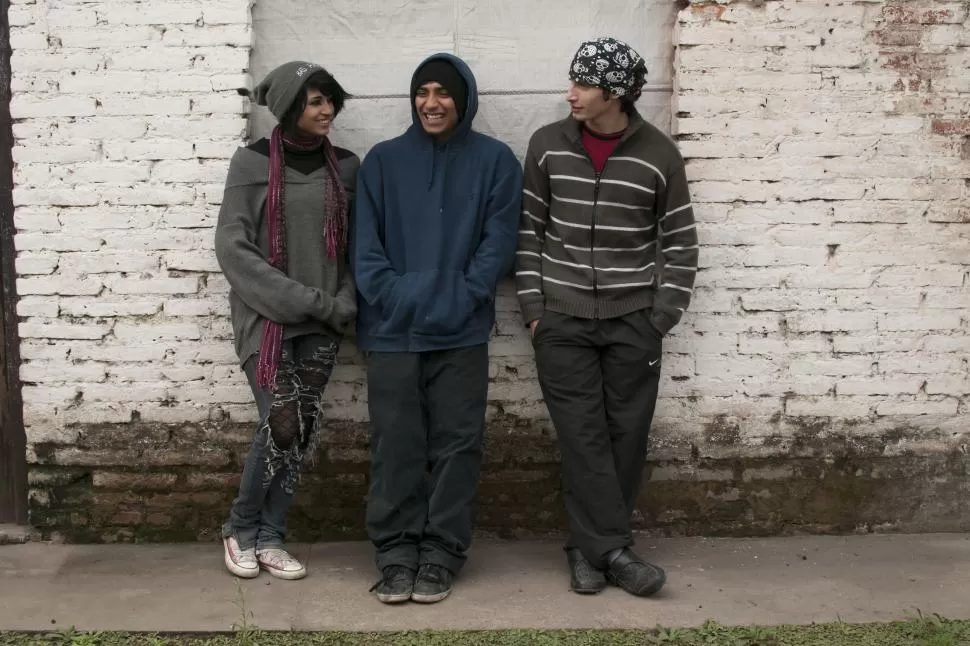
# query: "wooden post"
13,443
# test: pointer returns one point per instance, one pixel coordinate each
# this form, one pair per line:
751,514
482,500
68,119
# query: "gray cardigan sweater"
316,295
604,245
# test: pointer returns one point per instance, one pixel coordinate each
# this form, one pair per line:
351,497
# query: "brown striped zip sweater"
588,243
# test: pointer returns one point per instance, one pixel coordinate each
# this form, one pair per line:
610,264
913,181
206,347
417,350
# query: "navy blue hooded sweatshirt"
434,231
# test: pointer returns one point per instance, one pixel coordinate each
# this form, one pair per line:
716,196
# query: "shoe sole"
429,598
241,572
650,591
283,574
573,578
393,598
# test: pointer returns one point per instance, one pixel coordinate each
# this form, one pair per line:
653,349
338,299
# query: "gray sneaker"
433,584
396,584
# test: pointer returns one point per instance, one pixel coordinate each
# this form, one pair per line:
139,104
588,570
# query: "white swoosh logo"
655,362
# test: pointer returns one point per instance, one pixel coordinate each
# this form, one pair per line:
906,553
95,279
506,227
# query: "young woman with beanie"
281,242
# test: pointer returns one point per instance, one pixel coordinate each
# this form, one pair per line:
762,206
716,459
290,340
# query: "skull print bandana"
610,64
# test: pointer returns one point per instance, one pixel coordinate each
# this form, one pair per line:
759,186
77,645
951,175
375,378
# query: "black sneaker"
583,577
634,575
433,584
396,584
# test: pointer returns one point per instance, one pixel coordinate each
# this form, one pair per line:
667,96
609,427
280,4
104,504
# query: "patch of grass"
923,631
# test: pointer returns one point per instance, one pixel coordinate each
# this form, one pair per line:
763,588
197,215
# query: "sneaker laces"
278,558
433,573
244,557
390,573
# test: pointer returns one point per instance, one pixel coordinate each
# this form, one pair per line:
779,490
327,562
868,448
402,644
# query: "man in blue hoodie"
435,230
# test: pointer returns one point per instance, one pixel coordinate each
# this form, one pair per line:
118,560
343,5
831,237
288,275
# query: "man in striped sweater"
607,256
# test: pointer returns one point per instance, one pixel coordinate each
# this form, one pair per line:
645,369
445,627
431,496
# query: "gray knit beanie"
282,86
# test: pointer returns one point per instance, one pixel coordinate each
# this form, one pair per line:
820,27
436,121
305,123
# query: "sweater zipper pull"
592,246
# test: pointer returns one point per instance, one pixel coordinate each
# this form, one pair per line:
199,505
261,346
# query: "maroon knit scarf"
335,233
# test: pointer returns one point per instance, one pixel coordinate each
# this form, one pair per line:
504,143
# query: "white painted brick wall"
826,188
125,115
833,217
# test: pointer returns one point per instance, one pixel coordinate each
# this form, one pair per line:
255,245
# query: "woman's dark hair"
320,80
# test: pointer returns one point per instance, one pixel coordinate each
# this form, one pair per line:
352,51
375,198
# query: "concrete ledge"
185,587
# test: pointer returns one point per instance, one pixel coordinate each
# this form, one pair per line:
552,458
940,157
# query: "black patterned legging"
291,417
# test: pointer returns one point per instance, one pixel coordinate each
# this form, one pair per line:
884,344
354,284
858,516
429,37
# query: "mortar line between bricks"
646,88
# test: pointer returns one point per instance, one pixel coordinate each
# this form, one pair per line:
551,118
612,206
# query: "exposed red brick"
351,479
135,481
182,499
920,62
709,10
934,16
164,458
76,456
917,84
896,37
208,498
951,126
126,518
900,61
103,500
340,454
906,14
213,480
899,14
158,519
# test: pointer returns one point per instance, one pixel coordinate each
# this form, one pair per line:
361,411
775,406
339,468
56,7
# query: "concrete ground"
185,587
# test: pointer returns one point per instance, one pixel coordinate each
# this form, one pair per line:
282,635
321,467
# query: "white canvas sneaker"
240,562
280,563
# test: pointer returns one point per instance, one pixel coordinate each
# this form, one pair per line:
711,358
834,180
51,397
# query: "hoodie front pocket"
447,305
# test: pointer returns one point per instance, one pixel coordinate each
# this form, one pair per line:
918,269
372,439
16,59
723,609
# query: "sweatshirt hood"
471,109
